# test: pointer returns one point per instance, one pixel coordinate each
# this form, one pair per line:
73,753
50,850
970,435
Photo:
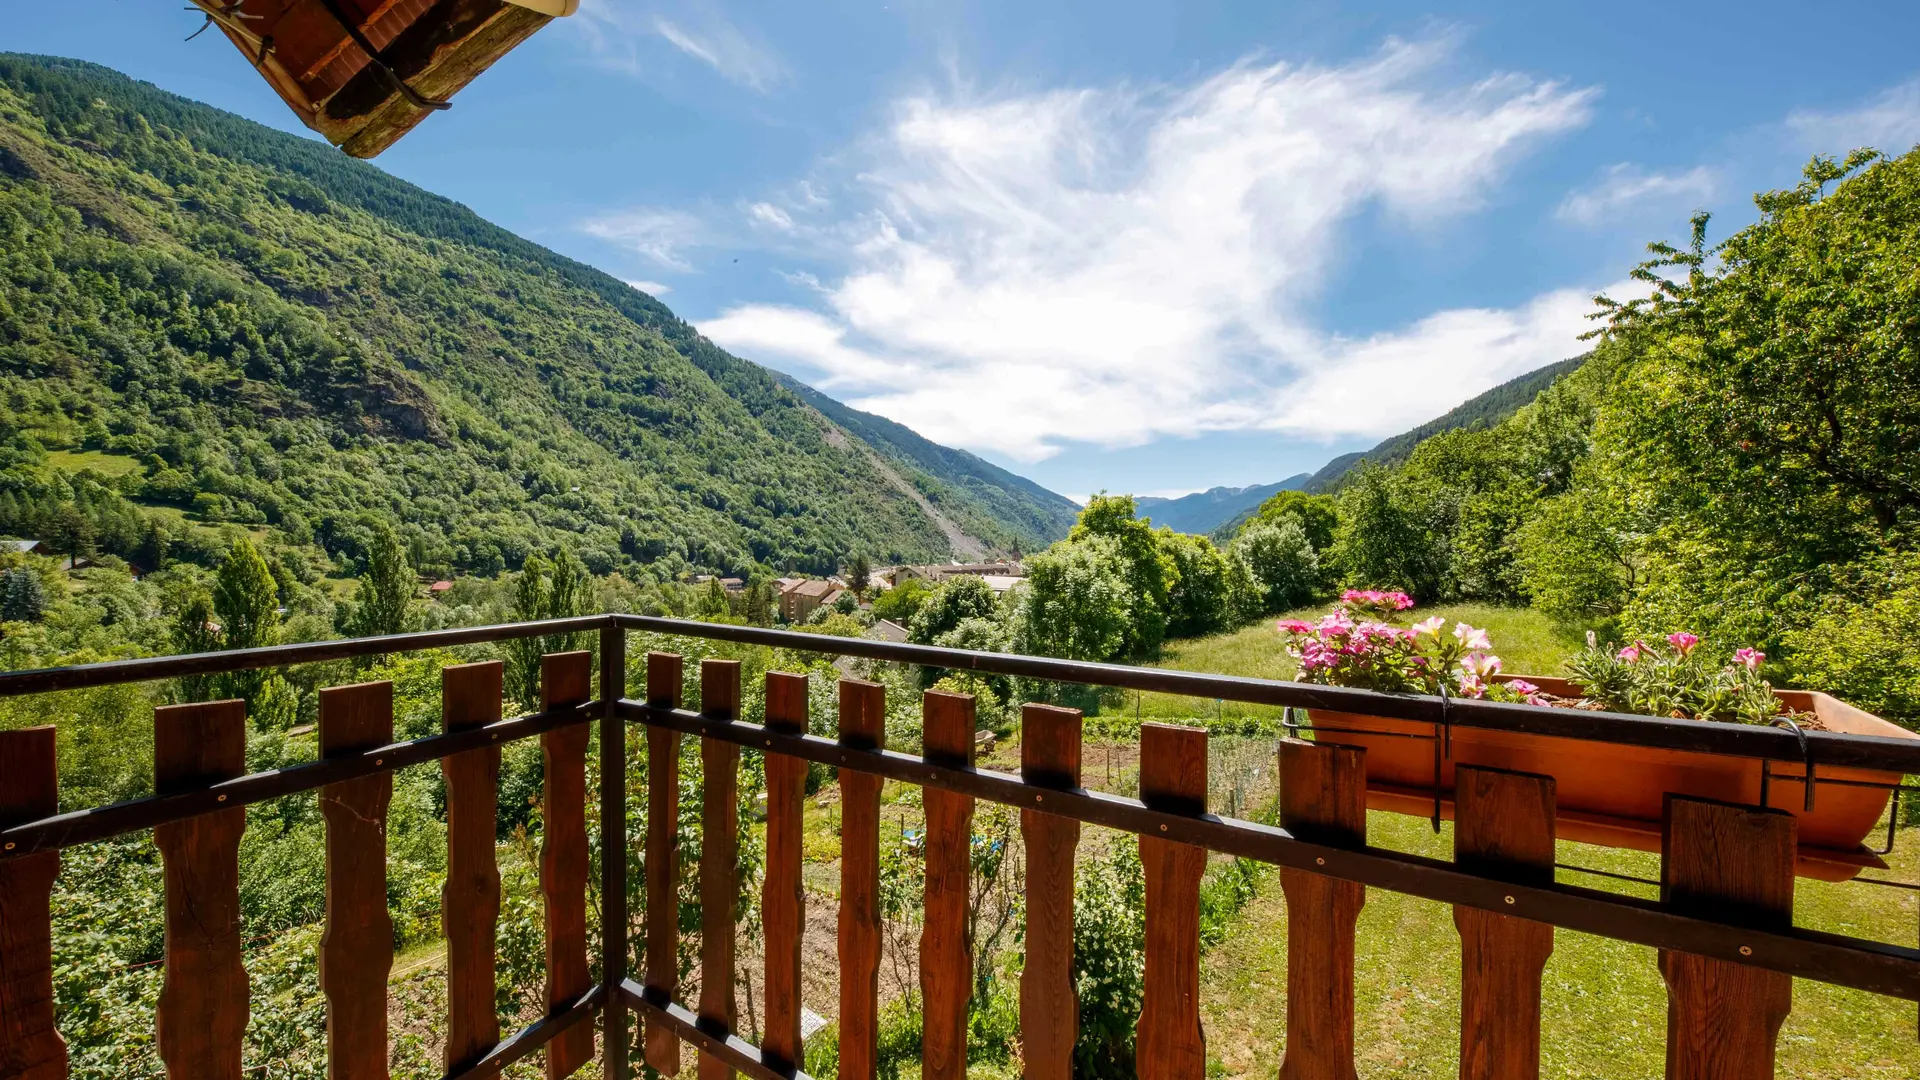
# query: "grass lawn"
105,464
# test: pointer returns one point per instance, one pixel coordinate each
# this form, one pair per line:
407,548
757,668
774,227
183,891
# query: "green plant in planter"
1678,681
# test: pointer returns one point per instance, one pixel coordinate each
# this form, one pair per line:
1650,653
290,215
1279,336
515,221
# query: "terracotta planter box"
1613,795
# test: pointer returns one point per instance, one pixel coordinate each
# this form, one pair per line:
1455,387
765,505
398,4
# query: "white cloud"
1624,189
1117,265
1890,122
618,32
652,288
769,215
660,235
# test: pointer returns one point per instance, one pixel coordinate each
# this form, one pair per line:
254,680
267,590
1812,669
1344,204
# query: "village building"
798,603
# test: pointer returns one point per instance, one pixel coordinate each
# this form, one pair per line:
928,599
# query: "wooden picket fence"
1729,950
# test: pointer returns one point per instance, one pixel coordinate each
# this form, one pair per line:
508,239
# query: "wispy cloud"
661,235
1889,122
1115,265
651,288
620,32
1626,189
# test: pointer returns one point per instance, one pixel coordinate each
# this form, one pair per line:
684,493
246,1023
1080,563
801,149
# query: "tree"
960,597
1280,563
902,602
385,602
1315,513
859,571
23,597
1147,570
1077,603
246,601
1380,543
1210,592
547,588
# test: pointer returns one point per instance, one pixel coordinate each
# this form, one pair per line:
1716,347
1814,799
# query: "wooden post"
30,1046
1049,1008
1503,827
615,938
719,855
1173,777
356,949
1323,799
1732,863
470,899
863,715
783,898
202,1013
946,949
664,672
565,679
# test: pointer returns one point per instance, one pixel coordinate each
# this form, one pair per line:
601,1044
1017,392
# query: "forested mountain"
208,324
1484,410
991,503
1205,511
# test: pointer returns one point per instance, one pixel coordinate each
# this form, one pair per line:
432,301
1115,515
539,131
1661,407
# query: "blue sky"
1148,247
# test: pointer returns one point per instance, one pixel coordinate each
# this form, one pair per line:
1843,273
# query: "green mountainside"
207,324
1483,410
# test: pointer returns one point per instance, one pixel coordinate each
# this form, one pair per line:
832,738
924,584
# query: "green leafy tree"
960,597
1210,591
1148,571
1077,602
23,598
1381,542
902,602
386,600
1279,562
555,587
246,600
1315,513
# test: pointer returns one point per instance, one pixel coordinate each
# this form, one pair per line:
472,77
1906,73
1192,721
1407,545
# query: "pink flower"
1430,625
1470,637
1399,600
1293,626
1632,653
1522,686
1752,658
1683,642
1481,664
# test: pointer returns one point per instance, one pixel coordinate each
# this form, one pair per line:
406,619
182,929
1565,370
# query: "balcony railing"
1723,923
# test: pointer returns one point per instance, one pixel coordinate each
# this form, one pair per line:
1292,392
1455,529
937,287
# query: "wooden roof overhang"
362,73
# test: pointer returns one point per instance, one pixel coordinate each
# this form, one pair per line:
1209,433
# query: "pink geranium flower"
1683,642
1293,626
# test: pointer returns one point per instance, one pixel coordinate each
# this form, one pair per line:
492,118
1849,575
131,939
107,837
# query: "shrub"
1863,646
1280,561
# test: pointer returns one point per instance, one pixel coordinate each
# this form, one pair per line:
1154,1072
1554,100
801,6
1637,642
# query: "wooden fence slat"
1049,1008
1733,863
470,899
1503,826
356,949
30,1046
1173,777
863,725
946,948
1323,798
664,674
783,900
565,679
201,1017
719,856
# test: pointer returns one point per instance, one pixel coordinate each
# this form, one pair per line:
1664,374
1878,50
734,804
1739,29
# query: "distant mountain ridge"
1205,511
1484,409
1487,408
